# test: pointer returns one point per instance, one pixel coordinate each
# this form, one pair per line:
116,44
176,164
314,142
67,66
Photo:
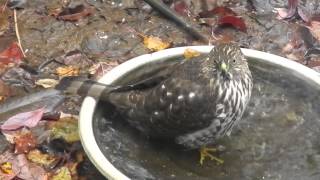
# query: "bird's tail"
84,87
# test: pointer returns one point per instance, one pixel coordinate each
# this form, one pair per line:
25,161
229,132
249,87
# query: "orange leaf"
190,53
25,142
155,43
67,71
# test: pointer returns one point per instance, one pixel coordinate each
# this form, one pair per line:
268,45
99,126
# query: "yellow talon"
205,152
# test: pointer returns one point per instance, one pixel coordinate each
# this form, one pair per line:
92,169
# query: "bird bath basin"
277,138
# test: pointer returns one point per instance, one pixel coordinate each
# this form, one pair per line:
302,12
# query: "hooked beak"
224,69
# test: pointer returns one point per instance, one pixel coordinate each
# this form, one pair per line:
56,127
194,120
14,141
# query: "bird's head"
228,61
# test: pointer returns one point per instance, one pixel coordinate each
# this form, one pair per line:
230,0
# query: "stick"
162,8
17,31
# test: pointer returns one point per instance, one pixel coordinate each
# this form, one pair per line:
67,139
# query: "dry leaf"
101,68
190,53
66,128
38,157
67,71
47,83
21,167
76,13
6,168
24,143
29,119
62,174
155,43
12,54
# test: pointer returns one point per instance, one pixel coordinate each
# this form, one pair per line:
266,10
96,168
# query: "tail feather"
83,87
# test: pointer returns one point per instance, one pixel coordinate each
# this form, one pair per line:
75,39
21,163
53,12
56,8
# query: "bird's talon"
205,152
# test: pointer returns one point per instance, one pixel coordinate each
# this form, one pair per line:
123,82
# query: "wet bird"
195,101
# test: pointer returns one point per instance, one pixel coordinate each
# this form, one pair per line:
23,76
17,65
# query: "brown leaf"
314,27
24,143
76,13
12,54
67,71
155,43
40,158
101,68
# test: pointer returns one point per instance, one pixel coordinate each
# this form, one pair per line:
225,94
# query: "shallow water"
278,137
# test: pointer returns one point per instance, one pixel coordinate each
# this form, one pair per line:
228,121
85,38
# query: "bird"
194,102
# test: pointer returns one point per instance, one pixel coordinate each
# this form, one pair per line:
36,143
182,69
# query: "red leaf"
233,21
12,54
76,13
29,119
220,11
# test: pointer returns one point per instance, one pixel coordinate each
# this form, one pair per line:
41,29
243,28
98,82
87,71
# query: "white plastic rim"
88,106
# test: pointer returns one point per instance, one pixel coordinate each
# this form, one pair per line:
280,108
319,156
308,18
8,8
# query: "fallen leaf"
101,68
29,119
293,9
47,83
24,143
12,54
234,21
21,167
29,170
75,58
155,43
40,158
181,8
66,128
6,168
67,71
62,174
284,13
219,11
314,27
190,53
16,76
76,13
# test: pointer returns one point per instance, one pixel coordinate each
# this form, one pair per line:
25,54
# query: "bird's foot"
206,152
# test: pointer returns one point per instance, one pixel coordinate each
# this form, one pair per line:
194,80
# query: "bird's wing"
153,79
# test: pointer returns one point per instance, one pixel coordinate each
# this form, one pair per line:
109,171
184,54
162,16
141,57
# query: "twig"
162,8
17,31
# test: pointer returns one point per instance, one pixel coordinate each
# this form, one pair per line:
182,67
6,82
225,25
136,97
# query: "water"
278,137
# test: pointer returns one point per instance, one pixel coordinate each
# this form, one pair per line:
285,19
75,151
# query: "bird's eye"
234,61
